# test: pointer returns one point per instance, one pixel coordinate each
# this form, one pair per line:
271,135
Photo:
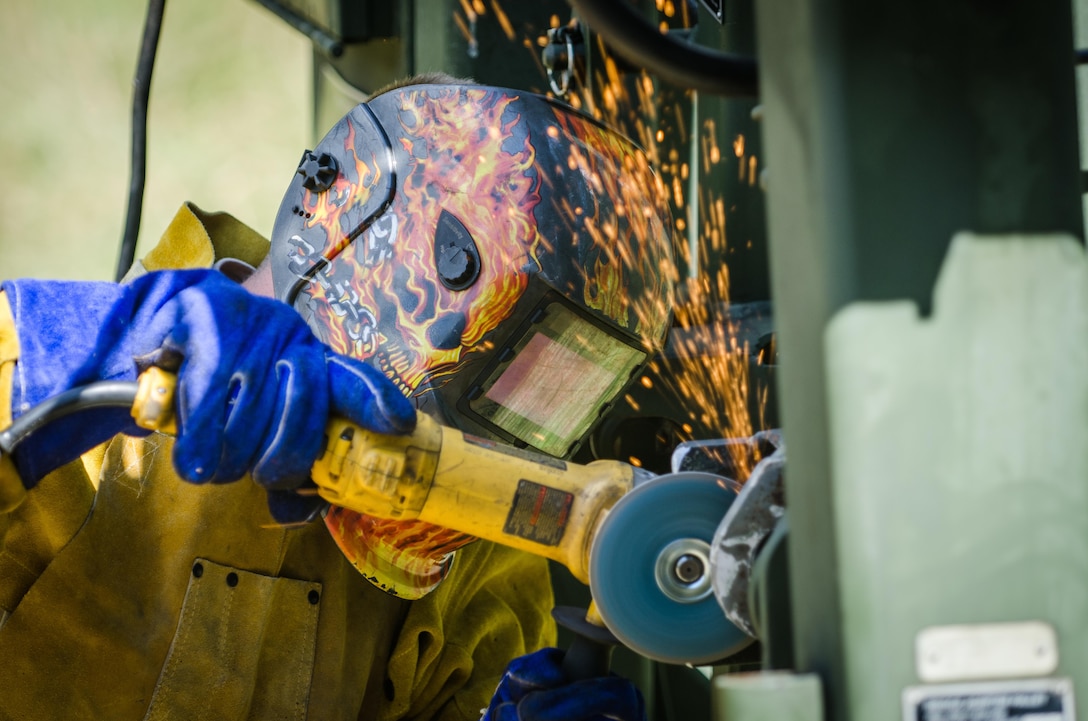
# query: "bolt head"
318,171
688,568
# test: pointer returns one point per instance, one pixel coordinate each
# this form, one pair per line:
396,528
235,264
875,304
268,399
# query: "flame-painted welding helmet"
504,259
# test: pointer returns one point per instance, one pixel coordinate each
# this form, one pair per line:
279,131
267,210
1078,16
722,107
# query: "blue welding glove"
255,386
535,689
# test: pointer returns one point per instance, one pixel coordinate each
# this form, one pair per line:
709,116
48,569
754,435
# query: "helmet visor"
549,387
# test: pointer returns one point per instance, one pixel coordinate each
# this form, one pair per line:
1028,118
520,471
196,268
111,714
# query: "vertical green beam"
888,128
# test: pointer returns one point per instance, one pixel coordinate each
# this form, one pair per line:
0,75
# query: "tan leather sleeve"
33,526
11,486
456,642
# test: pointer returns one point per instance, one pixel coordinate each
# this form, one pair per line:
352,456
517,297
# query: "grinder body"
625,532
442,476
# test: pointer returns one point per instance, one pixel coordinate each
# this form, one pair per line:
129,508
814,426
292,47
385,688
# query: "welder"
417,247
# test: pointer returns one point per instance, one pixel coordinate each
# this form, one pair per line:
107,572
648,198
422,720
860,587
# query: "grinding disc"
661,526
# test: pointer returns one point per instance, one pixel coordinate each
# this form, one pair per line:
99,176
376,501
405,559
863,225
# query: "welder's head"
504,259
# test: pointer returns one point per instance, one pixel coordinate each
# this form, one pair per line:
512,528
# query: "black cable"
141,90
116,394
683,64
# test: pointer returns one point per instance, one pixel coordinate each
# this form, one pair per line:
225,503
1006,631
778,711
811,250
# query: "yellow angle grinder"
641,542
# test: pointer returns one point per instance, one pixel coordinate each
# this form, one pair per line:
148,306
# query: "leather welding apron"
171,602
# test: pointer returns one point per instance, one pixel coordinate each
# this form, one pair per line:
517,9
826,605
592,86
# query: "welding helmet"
504,259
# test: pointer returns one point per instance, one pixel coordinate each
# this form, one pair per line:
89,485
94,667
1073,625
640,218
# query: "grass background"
229,117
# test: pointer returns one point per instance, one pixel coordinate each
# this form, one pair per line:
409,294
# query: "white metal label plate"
986,651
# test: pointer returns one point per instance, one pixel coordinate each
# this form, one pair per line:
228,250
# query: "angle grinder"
641,542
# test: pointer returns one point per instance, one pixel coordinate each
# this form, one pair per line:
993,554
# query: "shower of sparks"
709,368
504,21
709,373
468,10
463,26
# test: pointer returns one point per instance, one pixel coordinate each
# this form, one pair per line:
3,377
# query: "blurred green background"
229,117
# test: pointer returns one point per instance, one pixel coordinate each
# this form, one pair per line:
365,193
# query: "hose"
141,87
117,394
682,64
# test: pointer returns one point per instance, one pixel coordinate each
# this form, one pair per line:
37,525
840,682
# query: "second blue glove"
535,689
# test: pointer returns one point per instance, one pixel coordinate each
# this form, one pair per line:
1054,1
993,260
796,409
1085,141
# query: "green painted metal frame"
888,128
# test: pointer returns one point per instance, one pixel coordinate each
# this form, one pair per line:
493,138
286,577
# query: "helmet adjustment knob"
318,171
457,258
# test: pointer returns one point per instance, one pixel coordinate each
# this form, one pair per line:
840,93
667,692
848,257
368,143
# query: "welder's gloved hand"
255,386
535,689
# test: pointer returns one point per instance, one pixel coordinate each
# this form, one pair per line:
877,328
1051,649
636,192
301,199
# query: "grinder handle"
153,408
590,653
